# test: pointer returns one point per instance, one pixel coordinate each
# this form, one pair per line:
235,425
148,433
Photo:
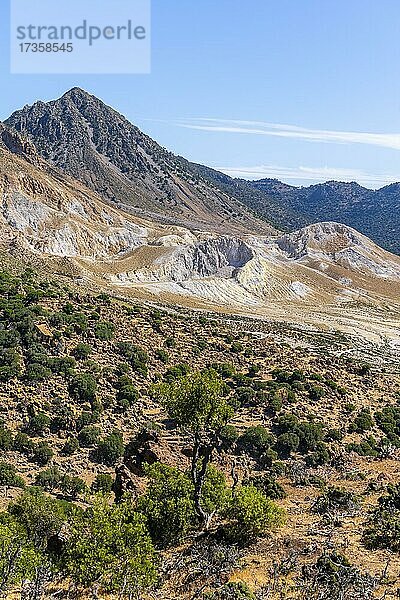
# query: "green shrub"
176,372
336,500
42,453
333,576
110,449
89,436
63,365
6,439
320,456
289,377
70,447
136,356
72,486
231,591
162,355
103,483
316,392
269,486
63,420
37,372
225,370
236,347
306,435
362,422
245,395
104,330
127,394
79,322
383,527
255,440
215,493
85,418
367,447
228,436
252,514
8,476
49,478
23,443
82,351
10,364
41,516
275,402
334,435
388,420
110,546
19,561
287,443
167,504
83,387
268,458
38,424
170,342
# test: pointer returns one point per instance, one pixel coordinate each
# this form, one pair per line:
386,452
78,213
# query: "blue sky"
302,90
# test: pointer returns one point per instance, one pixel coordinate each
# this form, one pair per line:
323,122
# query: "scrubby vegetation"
135,441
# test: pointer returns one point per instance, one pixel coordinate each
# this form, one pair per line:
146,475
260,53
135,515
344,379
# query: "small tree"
198,402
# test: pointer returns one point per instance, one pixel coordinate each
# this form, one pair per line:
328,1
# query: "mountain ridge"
376,213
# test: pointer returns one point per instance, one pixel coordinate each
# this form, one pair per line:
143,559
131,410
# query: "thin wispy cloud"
308,174
384,140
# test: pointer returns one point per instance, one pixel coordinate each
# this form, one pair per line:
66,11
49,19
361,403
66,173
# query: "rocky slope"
96,145
49,213
54,433
375,213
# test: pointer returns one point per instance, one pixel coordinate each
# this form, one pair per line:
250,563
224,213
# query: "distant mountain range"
376,213
96,145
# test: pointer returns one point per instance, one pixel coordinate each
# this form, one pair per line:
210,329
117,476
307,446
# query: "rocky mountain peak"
98,146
